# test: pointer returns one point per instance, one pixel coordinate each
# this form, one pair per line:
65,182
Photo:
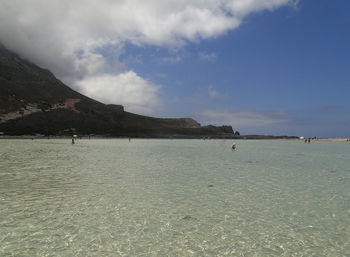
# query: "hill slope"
34,101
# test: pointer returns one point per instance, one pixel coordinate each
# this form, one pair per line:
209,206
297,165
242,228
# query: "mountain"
34,101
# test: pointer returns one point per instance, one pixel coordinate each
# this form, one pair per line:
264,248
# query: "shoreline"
330,139
335,139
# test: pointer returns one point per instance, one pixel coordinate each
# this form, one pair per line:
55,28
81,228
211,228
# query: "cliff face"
33,101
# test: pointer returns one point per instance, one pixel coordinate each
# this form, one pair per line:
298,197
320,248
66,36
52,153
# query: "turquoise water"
174,198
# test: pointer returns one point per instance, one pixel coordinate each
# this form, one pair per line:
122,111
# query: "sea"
167,197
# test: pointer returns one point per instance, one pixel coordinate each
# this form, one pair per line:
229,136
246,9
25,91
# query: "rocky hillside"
34,101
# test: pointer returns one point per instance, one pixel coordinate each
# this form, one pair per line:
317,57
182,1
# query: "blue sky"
276,67
291,65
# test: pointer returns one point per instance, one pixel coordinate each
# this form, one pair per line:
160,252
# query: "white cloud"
242,118
214,93
52,33
172,59
242,8
207,56
129,89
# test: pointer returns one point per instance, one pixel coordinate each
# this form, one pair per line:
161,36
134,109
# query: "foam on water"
174,198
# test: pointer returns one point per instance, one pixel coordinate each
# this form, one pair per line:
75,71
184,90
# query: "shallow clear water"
174,198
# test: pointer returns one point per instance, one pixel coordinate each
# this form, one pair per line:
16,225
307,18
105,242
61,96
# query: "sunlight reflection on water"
174,198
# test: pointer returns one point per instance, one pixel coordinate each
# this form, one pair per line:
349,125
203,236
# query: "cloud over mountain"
67,36
127,88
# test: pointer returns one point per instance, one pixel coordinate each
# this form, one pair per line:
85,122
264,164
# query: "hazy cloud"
242,118
65,36
172,59
208,56
161,75
213,93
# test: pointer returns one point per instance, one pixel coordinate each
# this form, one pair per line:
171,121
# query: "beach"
335,139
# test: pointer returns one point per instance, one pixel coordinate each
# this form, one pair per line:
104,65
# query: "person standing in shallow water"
72,140
233,147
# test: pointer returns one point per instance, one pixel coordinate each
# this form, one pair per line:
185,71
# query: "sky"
273,67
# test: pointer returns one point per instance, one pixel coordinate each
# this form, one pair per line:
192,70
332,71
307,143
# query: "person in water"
234,147
72,140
